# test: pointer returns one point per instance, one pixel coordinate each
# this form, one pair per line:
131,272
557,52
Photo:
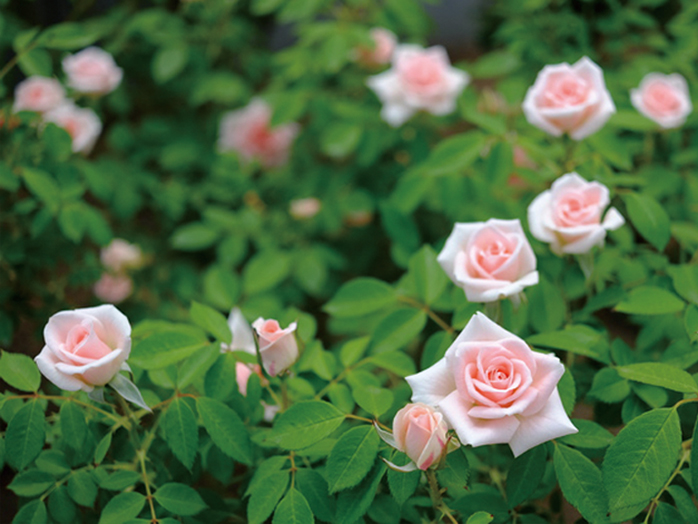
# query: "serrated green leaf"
31,483
374,400
525,474
650,219
396,362
578,339
61,507
119,480
164,348
481,517
396,330
263,500
73,425
226,429
102,448
197,364
44,187
265,270
314,488
211,321
25,435
52,461
32,513
402,485
121,508
360,297
581,483
650,300
306,423
219,381
590,435
179,499
608,386
429,277
354,503
667,514
293,509
352,351
181,431
685,280
659,374
82,488
19,371
352,458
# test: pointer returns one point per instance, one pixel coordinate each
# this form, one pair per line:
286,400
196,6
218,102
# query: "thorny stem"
436,498
686,451
364,419
293,469
436,318
146,483
273,395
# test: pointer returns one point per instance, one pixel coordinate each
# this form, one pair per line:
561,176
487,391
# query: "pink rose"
303,208
490,260
247,131
568,215
82,124
243,338
569,99
92,70
120,255
113,288
384,43
277,347
420,433
243,372
420,79
38,93
493,389
663,98
85,347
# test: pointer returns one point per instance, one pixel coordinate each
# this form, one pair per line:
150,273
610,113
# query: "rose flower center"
660,98
565,90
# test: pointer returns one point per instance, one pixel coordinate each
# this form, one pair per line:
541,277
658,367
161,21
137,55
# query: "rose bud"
38,93
663,98
384,43
113,288
82,124
120,255
277,347
493,389
568,215
421,433
93,71
490,260
569,99
304,208
420,79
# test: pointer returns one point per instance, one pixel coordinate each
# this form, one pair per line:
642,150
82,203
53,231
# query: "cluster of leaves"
220,234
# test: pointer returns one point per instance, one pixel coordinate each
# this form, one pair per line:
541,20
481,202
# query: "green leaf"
194,236
168,62
667,514
456,475
179,499
293,509
398,329
649,218
44,187
481,517
25,435
351,458
226,429
548,308
266,270
609,387
360,297
374,400
684,503
266,497
219,381
353,503
164,348
352,351
579,339
268,468
102,448
197,364
314,488
685,279
659,374
454,154
429,278
640,460
119,480
71,35
35,62
32,513
396,362
181,431
211,321
52,461
650,300
264,7
306,423
82,488
121,508
694,459
31,483
61,507
590,435
19,371
495,63
581,483
402,485
340,139
525,474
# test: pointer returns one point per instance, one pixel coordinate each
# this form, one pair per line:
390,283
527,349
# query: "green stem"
686,452
123,421
436,318
493,310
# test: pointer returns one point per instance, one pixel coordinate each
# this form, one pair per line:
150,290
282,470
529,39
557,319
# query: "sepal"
128,390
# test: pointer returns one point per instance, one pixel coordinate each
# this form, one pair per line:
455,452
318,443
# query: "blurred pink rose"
493,389
568,215
277,347
120,255
421,433
490,260
38,93
93,71
85,347
569,99
247,132
243,372
82,124
420,79
663,98
113,288
303,208
384,42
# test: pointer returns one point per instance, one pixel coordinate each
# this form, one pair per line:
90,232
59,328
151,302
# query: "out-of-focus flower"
243,372
420,79
92,71
277,347
113,288
663,98
384,43
82,124
38,93
243,338
304,208
120,255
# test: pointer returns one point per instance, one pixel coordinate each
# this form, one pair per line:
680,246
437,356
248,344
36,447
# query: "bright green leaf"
360,297
121,508
650,219
650,300
581,483
306,423
226,429
659,374
525,474
179,499
19,371
181,431
25,435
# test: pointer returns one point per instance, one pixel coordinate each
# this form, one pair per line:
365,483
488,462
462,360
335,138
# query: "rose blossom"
247,131
120,255
92,70
490,260
113,288
420,79
420,433
568,215
38,93
493,389
277,347
243,338
384,42
85,347
303,208
82,124
569,99
663,98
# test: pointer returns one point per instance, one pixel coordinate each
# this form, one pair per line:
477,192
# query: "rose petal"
433,384
46,361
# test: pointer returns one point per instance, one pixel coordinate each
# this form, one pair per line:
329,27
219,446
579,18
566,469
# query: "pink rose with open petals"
493,389
248,132
82,124
663,98
277,347
85,347
490,260
569,99
92,70
568,215
421,433
38,93
420,79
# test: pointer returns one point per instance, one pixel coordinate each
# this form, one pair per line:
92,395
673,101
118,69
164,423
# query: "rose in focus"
490,260
570,99
421,433
277,347
38,93
568,215
85,347
663,98
420,79
493,389
92,71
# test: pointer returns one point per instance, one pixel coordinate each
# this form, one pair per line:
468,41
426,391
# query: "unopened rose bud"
421,433
277,347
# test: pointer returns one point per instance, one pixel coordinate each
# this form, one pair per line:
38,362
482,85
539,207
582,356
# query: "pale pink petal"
433,384
46,361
